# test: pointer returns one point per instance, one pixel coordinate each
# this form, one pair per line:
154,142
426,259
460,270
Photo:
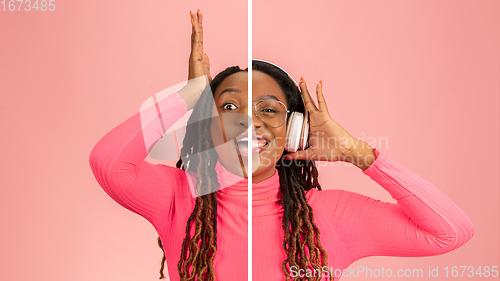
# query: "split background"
423,75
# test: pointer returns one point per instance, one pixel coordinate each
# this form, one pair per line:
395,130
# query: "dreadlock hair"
198,252
297,177
301,242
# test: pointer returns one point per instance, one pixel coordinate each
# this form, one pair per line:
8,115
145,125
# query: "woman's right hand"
199,64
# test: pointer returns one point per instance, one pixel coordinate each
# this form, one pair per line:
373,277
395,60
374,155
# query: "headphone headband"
291,78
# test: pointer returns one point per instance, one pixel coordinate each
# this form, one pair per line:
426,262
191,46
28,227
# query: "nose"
242,118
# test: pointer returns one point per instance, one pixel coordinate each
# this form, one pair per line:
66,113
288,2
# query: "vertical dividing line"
250,127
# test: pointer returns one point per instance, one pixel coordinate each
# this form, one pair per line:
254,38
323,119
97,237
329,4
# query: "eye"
229,106
269,110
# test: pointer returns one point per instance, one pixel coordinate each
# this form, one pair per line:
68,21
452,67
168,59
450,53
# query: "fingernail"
301,80
321,82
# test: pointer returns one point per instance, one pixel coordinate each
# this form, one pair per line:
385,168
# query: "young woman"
299,231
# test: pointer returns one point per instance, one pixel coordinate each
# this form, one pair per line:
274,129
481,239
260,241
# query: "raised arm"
118,159
424,221
119,166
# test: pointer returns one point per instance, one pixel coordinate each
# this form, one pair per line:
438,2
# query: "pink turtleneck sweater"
424,221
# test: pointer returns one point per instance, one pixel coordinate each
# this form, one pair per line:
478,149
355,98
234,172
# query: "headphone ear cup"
293,131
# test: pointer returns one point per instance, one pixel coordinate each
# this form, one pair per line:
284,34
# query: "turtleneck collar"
264,192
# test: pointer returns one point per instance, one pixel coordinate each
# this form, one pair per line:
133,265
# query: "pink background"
424,75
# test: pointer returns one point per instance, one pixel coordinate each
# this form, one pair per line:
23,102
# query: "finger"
195,18
308,103
193,31
199,33
200,30
198,37
321,98
200,15
192,28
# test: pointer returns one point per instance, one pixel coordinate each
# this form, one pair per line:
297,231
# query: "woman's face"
229,132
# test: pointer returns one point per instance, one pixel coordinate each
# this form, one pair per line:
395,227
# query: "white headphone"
297,130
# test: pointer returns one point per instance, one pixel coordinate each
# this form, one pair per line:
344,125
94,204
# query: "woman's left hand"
328,140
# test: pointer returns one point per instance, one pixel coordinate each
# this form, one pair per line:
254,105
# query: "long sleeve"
118,162
424,221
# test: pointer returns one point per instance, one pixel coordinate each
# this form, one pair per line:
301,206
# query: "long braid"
302,238
198,251
287,203
202,245
163,259
312,174
298,222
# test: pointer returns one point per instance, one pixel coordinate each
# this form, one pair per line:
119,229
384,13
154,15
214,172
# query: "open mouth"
257,145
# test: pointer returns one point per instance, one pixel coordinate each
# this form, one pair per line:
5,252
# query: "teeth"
255,142
259,144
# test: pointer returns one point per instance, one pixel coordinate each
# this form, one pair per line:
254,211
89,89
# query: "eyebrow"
236,91
230,90
268,97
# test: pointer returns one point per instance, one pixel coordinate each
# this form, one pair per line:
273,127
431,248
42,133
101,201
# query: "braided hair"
296,177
